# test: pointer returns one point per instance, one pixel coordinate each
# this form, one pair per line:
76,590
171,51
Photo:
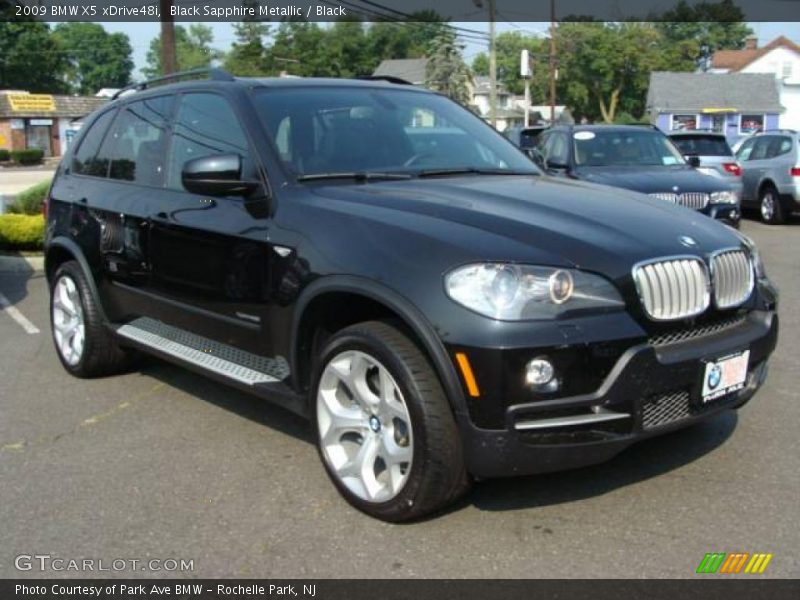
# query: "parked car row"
696,169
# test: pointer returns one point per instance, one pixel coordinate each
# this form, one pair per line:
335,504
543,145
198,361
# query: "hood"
549,221
650,180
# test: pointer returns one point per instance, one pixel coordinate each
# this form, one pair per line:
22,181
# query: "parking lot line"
13,312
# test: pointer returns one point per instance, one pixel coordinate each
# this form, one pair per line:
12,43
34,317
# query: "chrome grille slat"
695,200
673,288
732,277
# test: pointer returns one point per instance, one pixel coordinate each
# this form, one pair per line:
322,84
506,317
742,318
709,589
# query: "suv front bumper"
658,388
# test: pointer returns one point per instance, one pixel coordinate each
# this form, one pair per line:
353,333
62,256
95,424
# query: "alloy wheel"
69,328
364,426
768,206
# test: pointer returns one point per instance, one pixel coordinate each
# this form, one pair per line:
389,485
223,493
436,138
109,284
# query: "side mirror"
693,160
216,175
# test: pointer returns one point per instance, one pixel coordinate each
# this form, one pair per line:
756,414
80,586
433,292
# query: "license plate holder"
723,376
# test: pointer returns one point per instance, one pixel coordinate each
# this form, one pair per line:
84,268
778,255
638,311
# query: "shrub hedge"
30,156
5,155
21,232
30,201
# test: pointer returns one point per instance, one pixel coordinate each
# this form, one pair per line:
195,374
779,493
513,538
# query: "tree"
96,58
605,67
30,57
192,47
710,26
248,54
446,70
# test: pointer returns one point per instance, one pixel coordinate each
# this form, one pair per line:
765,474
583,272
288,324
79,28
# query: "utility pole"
492,65
552,61
169,60
492,60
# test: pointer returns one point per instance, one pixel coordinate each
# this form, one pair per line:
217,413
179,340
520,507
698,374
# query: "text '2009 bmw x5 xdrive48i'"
375,257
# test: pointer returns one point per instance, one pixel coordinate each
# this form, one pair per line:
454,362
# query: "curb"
22,264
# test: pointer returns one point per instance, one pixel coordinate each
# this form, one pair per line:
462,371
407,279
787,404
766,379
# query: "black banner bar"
704,587
518,11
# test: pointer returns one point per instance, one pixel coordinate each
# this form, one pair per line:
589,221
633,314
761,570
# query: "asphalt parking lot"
162,463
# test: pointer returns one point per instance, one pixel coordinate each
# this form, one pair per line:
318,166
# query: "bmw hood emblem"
688,241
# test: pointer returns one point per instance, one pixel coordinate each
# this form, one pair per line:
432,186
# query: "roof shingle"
736,60
696,92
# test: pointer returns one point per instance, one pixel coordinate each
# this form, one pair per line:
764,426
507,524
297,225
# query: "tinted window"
84,161
135,146
205,125
556,149
625,148
779,146
745,150
703,145
761,148
354,129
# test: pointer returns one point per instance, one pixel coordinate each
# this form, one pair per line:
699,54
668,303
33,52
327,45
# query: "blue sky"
141,33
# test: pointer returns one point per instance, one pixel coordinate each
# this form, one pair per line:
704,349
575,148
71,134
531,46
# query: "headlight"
510,292
727,197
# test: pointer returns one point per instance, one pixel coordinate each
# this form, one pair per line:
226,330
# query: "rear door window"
84,161
135,147
761,147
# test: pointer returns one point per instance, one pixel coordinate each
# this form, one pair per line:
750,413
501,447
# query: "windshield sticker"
584,135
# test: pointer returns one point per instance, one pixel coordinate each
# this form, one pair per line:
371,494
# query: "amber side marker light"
466,372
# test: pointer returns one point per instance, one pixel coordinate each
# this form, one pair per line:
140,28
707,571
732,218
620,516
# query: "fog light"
539,372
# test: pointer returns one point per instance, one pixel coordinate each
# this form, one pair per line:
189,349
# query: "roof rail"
213,73
779,131
388,78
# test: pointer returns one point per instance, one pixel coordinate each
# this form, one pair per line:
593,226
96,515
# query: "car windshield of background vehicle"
625,149
325,131
703,145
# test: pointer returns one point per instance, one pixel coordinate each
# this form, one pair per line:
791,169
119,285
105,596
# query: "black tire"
437,475
101,354
770,207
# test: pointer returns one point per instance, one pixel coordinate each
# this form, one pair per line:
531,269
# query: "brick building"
44,121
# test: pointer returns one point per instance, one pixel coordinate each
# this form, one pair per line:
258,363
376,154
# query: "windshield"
625,148
703,145
322,131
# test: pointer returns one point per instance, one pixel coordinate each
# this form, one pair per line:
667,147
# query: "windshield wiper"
470,171
355,176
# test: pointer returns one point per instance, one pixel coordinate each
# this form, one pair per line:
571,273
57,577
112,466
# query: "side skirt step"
205,354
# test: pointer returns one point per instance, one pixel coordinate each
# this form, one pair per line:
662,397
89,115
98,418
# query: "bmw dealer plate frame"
724,376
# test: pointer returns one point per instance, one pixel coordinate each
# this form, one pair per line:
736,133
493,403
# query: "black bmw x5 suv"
378,259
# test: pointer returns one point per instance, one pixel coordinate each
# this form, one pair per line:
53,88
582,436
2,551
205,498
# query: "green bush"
5,155
624,118
30,201
21,232
31,156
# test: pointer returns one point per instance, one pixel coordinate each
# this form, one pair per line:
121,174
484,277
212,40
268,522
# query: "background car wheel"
770,206
83,344
385,431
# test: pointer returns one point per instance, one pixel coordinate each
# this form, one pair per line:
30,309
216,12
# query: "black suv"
637,158
376,258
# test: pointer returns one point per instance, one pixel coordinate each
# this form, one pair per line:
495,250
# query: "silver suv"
771,174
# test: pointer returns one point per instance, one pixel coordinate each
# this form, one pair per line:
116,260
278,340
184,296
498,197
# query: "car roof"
696,132
267,82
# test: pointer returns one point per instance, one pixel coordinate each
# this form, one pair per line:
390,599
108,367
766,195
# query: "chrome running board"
599,416
208,355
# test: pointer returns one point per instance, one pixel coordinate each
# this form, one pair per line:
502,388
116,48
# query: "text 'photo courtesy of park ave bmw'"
267,285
